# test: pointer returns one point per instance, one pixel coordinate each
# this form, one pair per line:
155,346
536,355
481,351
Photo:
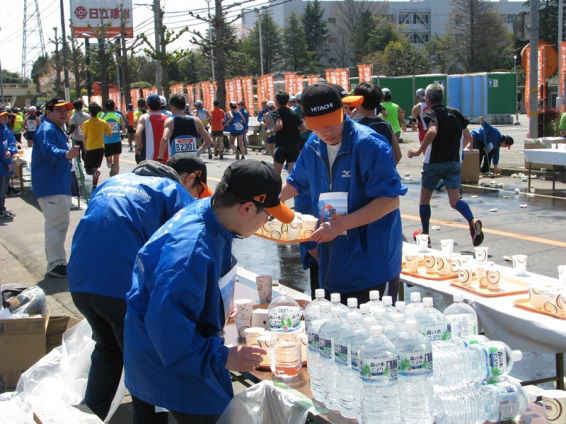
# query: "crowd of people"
160,287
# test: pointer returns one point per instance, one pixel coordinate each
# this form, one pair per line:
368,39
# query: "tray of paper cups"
300,230
431,265
485,278
548,298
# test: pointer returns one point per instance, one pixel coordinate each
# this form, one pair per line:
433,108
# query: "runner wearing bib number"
113,143
181,132
31,124
236,127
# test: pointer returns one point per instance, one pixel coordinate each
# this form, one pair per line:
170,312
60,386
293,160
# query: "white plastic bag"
62,374
264,404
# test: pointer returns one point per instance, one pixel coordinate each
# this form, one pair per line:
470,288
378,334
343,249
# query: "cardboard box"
471,167
25,341
22,344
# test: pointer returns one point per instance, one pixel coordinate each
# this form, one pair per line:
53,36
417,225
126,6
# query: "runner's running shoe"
476,232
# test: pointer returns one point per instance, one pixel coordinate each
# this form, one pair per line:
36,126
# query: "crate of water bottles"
408,363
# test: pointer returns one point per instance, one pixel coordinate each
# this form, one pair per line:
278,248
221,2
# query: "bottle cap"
387,300
427,302
516,355
458,297
335,297
376,330
352,302
415,297
374,295
319,293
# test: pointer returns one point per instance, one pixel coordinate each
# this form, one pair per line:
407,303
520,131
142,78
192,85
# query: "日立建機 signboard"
87,16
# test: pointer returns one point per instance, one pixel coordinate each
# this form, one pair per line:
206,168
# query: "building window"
331,20
404,18
509,18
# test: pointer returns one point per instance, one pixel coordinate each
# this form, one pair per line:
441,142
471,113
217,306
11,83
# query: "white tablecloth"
546,156
502,320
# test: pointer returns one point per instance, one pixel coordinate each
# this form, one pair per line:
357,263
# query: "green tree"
478,38
296,55
272,45
316,31
40,66
547,20
402,58
382,33
361,35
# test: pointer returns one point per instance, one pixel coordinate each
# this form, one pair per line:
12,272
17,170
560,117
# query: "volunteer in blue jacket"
51,182
349,171
7,150
121,216
181,296
488,140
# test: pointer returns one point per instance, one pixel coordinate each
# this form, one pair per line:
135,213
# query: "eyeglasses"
261,208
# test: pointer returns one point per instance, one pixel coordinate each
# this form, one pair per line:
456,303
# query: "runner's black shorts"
285,154
217,133
93,160
130,129
112,149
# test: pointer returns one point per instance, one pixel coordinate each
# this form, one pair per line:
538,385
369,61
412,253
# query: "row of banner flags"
241,89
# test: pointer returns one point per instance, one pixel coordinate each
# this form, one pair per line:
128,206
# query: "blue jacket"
50,169
174,356
121,216
7,144
487,134
364,168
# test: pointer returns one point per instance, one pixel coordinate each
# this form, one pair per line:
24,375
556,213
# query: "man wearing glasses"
51,182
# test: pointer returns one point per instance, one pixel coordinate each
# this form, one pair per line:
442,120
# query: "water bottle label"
497,359
415,363
325,346
508,399
341,355
462,325
285,318
355,360
436,333
313,341
378,369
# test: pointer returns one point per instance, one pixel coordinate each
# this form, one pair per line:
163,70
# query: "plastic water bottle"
506,400
284,323
373,298
398,322
313,357
348,342
365,310
500,359
369,322
326,337
414,305
400,306
462,318
313,306
356,340
352,303
387,304
456,363
431,322
415,376
379,377
335,299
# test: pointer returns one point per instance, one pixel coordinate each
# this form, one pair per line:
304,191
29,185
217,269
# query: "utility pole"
533,66
57,65
65,49
158,22
258,12
561,90
219,52
210,39
125,71
87,66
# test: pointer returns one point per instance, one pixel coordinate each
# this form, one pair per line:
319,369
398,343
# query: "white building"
420,20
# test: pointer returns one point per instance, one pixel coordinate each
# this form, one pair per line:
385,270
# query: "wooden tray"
283,241
524,304
432,276
502,292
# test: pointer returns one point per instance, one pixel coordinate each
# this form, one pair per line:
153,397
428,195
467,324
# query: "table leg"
560,371
529,181
553,177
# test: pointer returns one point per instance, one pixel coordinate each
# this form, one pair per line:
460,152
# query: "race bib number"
238,126
185,144
32,125
114,126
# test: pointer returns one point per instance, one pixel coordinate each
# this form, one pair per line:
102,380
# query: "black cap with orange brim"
58,102
258,182
322,106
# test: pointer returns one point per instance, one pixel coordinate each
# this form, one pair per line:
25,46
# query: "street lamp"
258,13
516,89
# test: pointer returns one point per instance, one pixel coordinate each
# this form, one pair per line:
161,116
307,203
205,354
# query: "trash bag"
62,374
21,300
264,404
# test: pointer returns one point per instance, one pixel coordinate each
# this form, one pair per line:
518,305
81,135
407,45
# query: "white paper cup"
412,263
243,318
294,228
455,262
252,334
535,296
562,275
442,265
482,270
308,225
447,245
422,242
429,263
264,340
465,276
264,286
493,277
520,264
554,402
481,254
550,299
260,318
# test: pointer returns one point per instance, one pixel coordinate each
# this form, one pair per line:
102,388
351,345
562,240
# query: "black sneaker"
60,271
5,215
476,232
